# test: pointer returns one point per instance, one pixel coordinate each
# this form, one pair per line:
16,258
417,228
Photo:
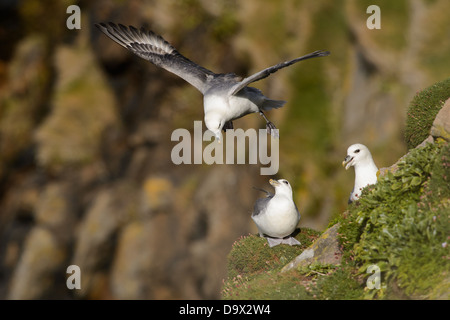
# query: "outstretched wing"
155,49
266,72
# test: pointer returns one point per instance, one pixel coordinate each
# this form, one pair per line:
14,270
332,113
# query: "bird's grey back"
261,204
223,81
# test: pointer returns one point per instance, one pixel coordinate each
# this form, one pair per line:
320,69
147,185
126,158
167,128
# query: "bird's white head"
214,122
357,154
282,186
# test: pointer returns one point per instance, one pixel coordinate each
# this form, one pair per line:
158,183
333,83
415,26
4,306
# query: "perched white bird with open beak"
226,96
276,216
359,156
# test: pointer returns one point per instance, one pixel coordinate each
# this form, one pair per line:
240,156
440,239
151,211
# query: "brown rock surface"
441,124
324,250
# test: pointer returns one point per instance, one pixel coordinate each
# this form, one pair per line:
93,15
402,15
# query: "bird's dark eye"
357,151
286,182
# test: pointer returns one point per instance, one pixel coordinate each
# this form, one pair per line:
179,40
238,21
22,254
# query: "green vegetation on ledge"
251,255
254,273
401,224
422,111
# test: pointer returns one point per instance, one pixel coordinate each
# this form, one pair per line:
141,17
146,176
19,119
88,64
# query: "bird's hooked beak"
347,162
274,182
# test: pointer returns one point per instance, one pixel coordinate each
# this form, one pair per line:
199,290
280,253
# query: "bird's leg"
227,125
271,129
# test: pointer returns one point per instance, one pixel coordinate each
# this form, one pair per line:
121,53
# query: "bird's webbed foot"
287,240
271,129
291,241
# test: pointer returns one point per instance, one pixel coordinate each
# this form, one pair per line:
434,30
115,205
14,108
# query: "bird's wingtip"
104,25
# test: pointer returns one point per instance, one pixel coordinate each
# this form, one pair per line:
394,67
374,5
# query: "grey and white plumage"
226,97
277,216
359,157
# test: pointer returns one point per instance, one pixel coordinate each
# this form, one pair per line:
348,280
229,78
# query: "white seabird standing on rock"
276,216
226,97
359,156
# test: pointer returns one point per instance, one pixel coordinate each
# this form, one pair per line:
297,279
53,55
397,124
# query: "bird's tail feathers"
272,104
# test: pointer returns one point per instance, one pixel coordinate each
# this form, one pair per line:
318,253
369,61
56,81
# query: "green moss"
252,254
253,267
341,284
401,223
267,286
307,283
254,273
422,111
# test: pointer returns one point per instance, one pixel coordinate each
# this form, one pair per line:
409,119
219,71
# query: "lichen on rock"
325,250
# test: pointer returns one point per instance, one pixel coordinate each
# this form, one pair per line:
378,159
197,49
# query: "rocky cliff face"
86,176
